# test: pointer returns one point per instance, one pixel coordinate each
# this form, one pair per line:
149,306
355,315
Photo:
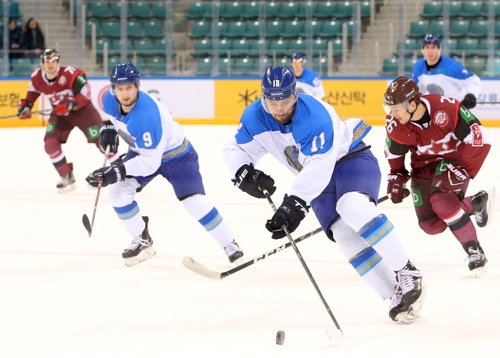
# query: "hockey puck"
280,338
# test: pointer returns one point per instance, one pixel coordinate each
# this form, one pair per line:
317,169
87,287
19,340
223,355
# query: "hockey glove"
65,106
109,175
396,186
469,101
253,181
291,212
109,136
24,109
451,178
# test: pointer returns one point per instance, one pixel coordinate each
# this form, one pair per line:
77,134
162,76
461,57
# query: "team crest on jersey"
62,81
292,157
127,138
441,118
434,89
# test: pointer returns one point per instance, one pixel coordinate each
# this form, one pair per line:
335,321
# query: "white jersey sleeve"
309,146
148,129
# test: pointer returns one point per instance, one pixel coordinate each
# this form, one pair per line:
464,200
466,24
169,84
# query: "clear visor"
112,89
279,107
396,109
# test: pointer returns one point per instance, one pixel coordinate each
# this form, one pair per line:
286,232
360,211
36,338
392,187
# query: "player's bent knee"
356,209
123,193
52,146
433,227
349,242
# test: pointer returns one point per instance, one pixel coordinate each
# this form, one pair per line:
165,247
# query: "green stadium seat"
116,8
200,29
235,29
159,10
255,47
225,47
223,27
338,48
161,46
143,47
410,48
325,10
459,28
389,67
271,10
471,9
153,29
14,11
305,7
482,49
465,47
320,66
366,9
22,66
243,66
478,28
134,29
157,65
204,66
320,46
436,27
450,45
315,28
274,28
88,28
196,11
288,10
344,10
485,11
278,47
140,63
257,70
432,10
226,65
409,62
99,46
115,49
495,67
99,9
250,10
240,48
476,65
292,28
497,28
298,45
140,10
418,29
111,29
252,29
455,9
330,29
231,10
112,62
202,48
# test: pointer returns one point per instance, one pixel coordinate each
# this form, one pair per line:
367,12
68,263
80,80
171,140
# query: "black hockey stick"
204,271
45,111
85,219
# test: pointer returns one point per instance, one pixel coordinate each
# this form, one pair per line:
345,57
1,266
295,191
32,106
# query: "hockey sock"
131,218
202,210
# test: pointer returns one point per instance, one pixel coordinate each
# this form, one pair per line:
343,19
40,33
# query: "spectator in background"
308,81
438,74
33,41
15,38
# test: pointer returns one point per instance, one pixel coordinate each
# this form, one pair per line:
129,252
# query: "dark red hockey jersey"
447,131
70,82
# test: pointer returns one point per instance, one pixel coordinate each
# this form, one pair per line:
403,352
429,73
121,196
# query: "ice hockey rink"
64,294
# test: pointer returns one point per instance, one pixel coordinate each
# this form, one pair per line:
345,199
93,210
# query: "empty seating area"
146,40
243,32
468,32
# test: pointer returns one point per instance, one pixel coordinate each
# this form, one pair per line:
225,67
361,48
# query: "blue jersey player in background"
308,81
157,146
336,173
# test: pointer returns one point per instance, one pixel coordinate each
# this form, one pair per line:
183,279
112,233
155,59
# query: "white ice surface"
63,294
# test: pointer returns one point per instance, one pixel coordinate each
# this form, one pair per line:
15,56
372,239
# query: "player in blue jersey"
439,74
308,81
157,147
336,173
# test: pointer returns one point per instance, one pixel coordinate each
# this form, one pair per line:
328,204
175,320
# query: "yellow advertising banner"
350,98
10,94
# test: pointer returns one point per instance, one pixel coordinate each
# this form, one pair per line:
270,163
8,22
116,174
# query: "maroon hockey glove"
65,106
253,181
291,212
24,109
451,178
396,186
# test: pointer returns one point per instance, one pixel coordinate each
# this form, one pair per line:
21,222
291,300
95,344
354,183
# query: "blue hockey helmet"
124,73
278,83
431,39
297,56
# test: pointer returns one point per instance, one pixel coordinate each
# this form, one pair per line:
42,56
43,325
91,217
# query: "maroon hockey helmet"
49,54
402,90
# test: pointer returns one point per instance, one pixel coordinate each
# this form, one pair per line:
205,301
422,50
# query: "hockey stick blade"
86,223
198,268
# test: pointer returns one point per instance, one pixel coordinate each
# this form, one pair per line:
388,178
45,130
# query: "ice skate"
140,249
477,259
233,252
410,280
67,183
483,206
398,310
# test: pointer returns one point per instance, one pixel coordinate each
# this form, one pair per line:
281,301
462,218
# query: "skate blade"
238,262
143,256
480,271
417,305
407,317
66,189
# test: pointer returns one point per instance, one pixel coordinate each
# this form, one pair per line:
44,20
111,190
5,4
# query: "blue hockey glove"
291,212
109,175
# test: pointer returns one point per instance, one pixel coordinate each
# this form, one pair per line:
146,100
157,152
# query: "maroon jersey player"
448,146
69,94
